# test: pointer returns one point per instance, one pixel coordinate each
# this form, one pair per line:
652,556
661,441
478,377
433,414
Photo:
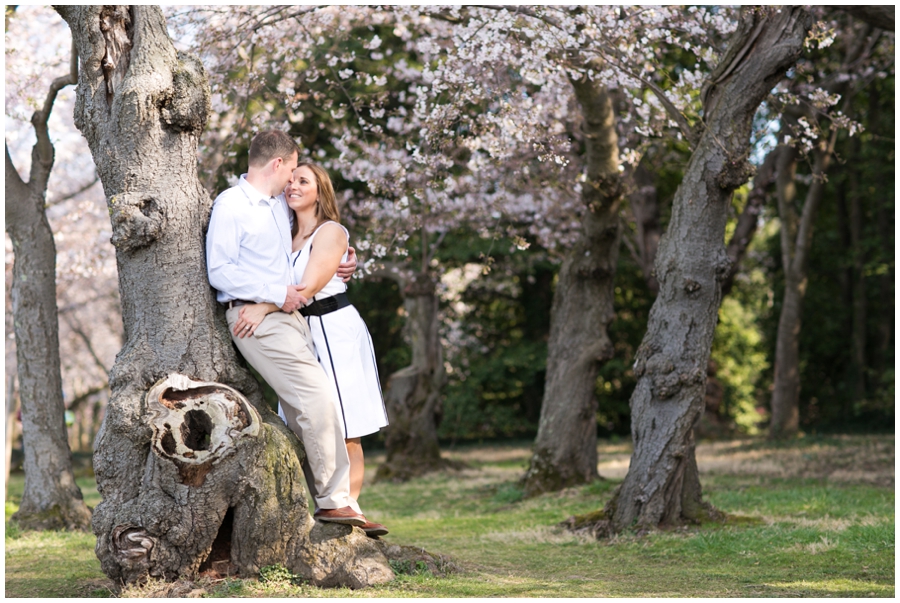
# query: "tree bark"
413,394
192,474
565,449
52,499
662,486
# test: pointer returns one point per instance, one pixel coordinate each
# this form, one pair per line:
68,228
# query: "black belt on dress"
326,305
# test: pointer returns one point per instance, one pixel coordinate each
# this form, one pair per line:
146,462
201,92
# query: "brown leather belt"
234,303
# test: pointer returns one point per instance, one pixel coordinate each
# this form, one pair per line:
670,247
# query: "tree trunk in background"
644,203
52,499
565,449
845,276
413,395
884,337
796,241
858,253
192,475
662,486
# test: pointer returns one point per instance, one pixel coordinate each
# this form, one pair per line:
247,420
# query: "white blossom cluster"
479,126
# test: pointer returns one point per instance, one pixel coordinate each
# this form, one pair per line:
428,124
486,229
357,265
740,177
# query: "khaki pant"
281,351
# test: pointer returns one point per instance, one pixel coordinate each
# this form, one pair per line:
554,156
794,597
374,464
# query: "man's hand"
293,300
346,269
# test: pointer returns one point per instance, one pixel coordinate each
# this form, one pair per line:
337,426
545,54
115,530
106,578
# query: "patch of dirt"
846,459
156,589
415,560
94,588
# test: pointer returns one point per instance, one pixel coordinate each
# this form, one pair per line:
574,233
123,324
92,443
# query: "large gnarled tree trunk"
192,475
662,486
565,450
52,499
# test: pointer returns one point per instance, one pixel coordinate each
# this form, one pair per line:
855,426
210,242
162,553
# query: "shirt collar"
253,193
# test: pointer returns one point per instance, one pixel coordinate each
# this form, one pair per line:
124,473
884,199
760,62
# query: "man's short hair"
269,144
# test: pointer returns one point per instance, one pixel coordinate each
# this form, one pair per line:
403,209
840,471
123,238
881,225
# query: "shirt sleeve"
223,244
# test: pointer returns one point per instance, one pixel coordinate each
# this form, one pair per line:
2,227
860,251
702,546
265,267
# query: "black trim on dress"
334,375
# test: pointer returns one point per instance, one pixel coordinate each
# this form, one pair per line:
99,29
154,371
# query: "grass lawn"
813,517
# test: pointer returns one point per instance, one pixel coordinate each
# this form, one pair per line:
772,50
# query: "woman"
343,344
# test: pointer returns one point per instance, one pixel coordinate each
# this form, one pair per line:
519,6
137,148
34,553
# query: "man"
248,254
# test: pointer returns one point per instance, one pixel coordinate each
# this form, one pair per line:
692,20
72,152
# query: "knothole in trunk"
218,563
195,424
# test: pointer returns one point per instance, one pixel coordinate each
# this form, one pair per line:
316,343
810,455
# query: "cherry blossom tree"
189,459
580,55
90,326
365,77
498,103
52,499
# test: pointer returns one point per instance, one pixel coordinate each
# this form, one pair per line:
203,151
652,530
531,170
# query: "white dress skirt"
344,349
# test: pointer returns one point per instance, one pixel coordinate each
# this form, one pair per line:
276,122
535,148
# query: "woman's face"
303,191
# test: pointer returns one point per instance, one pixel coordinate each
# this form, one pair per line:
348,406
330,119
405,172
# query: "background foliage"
496,292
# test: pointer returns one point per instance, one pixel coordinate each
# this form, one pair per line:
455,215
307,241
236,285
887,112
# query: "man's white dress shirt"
248,246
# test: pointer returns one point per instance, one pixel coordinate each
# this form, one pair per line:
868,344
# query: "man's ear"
276,163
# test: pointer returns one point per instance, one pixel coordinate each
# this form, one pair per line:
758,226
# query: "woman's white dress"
344,349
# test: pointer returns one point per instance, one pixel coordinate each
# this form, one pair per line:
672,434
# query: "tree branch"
673,112
433,248
746,225
630,245
614,57
77,192
78,400
786,189
400,273
813,200
42,154
78,330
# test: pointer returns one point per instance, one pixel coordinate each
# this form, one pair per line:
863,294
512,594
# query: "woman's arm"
250,316
327,250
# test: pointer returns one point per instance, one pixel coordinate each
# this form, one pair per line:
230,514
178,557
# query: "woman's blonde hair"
326,204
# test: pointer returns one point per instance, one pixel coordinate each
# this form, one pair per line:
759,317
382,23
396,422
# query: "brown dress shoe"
344,515
373,530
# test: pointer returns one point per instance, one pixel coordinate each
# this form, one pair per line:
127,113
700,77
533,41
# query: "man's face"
284,173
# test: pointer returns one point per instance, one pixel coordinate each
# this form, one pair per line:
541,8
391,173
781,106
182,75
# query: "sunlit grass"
806,536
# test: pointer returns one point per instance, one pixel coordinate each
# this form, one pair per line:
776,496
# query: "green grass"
791,536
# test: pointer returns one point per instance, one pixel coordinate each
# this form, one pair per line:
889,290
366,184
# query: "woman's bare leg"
357,466
357,471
